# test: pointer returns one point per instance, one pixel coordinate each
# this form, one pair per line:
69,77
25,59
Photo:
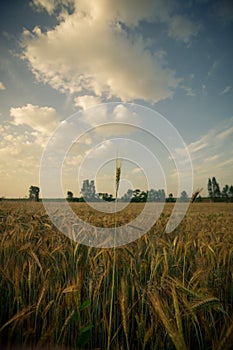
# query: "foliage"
34,193
170,198
210,188
184,197
88,191
226,195
216,188
106,197
70,196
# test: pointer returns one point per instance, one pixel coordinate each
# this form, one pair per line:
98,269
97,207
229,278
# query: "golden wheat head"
118,174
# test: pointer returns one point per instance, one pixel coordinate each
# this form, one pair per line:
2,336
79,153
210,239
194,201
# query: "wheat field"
171,291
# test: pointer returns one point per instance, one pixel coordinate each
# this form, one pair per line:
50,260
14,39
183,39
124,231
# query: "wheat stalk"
117,182
226,338
195,194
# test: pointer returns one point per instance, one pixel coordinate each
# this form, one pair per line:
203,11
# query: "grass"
172,291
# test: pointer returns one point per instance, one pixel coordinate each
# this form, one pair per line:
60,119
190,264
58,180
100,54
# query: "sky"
62,57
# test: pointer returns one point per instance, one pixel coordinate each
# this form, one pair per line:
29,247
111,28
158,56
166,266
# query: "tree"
184,196
225,191
198,198
127,196
143,196
215,188
171,198
209,187
88,191
152,195
34,193
106,197
136,195
230,192
70,196
161,195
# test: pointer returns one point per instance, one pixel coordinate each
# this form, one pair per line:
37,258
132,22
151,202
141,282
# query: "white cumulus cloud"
91,52
40,119
2,87
87,101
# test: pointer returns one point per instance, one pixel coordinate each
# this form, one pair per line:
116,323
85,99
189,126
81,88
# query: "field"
171,291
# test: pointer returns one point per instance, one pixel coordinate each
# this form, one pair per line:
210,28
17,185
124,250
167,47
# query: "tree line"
88,193
218,195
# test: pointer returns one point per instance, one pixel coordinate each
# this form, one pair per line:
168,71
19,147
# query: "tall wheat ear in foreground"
117,176
117,183
195,194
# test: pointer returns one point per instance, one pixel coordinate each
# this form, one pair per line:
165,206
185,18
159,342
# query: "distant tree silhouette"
88,190
143,196
34,193
70,196
152,195
127,196
230,192
210,189
170,198
136,195
213,188
225,192
161,195
184,196
216,188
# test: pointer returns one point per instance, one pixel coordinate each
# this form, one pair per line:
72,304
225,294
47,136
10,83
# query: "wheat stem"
117,182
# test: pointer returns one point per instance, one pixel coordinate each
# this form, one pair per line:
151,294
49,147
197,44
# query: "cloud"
2,87
198,145
212,154
224,134
212,69
225,90
117,122
72,160
212,158
20,159
189,91
92,52
87,101
16,145
50,5
121,10
22,144
182,28
40,119
204,90
21,147
137,171
225,163
79,55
